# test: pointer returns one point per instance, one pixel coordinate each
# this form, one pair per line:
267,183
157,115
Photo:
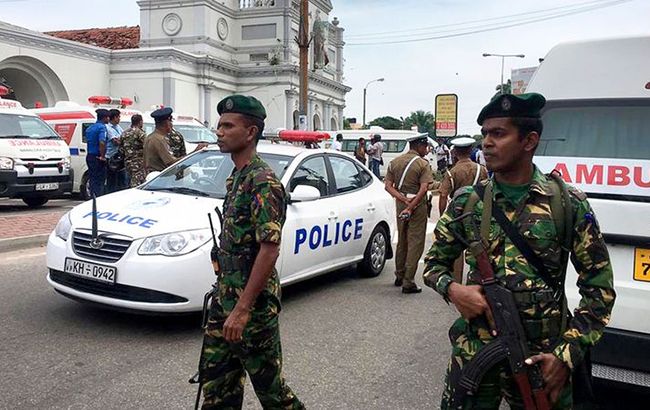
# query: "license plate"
47,187
88,270
642,264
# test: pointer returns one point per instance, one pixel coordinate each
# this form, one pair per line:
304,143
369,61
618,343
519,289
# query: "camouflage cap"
509,105
242,104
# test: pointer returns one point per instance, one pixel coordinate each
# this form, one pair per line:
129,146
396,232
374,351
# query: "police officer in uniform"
157,152
96,136
464,173
242,334
407,180
512,126
176,143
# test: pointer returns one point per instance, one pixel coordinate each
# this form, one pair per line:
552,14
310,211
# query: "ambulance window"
349,145
312,172
346,174
394,145
597,131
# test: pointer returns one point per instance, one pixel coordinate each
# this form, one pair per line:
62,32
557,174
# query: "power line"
487,28
489,19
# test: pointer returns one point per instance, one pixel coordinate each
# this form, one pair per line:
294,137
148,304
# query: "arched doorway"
334,124
32,81
317,123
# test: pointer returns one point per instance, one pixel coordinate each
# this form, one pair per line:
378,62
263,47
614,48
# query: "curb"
23,242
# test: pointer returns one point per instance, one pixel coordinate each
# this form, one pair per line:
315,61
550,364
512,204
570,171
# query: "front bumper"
622,356
158,284
13,186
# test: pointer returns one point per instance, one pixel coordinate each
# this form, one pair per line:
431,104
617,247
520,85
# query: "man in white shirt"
337,145
443,155
375,151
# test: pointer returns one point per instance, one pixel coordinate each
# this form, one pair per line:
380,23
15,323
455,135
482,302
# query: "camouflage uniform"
541,317
254,212
176,143
132,147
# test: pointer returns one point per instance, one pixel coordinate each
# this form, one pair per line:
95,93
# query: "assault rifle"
510,342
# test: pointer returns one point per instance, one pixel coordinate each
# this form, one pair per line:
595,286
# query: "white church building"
188,55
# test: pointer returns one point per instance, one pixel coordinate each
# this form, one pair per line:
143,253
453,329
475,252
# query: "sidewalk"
26,230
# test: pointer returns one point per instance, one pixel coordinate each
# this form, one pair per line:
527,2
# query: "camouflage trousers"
497,384
136,172
224,365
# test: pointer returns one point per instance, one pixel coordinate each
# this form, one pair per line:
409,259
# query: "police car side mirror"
151,176
303,193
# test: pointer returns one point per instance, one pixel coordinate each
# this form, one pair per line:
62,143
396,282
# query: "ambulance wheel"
35,201
84,187
374,258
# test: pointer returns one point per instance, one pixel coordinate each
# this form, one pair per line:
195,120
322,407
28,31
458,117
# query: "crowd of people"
119,159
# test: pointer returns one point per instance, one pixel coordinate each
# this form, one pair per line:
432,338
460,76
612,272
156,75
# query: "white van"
394,141
597,134
71,120
34,160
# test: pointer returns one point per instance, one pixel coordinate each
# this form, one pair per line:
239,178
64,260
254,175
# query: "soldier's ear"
531,141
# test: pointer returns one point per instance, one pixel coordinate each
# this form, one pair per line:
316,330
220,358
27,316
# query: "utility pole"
303,44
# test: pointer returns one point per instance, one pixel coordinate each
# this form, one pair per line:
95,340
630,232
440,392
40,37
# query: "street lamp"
503,57
364,97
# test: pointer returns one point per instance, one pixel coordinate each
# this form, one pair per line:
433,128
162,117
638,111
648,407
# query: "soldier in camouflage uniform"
176,143
242,334
132,148
512,128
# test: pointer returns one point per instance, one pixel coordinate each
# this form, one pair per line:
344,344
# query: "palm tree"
424,120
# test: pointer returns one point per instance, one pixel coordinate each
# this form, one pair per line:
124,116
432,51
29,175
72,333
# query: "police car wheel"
35,201
374,258
84,187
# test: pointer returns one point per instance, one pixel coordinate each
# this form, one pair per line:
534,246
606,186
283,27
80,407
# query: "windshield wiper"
181,190
16,136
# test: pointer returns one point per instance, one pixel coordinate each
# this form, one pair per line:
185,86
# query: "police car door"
357,214
309,244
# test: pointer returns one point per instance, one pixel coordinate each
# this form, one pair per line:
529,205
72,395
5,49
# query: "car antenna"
94,232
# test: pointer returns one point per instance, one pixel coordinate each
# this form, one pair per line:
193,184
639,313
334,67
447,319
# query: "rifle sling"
518,240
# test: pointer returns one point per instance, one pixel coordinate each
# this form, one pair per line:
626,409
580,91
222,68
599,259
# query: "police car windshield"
196,133
205,174
25,126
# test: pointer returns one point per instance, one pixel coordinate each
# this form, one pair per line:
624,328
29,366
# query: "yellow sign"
446,115
642,264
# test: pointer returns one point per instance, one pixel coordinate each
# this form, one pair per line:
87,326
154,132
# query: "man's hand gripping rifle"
510,340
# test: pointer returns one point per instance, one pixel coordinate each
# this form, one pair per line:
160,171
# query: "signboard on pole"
520,78
446,115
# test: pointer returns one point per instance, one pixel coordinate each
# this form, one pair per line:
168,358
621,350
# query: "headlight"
175,244
62,229
6,163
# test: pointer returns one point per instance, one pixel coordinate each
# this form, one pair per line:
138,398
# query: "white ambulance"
34,160
597,134
71,120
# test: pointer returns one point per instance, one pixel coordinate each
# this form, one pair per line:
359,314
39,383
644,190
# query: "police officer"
132,147
242,334
407,180
157,153
464,173
511,126
96,137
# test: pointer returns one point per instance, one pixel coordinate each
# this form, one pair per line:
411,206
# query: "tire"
374,258
35,201
84,187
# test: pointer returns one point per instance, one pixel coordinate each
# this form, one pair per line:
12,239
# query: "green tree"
346,124
387,123
424,120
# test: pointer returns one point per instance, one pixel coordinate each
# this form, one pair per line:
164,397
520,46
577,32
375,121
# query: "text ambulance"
71,120
34,160
597,134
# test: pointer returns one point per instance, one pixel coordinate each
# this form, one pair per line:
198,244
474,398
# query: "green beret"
509,105
242,104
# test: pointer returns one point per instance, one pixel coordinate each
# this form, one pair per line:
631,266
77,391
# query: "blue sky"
414,72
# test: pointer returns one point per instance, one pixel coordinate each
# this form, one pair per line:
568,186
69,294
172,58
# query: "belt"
532,297
229,262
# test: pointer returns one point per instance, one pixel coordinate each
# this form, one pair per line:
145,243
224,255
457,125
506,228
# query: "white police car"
151,251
